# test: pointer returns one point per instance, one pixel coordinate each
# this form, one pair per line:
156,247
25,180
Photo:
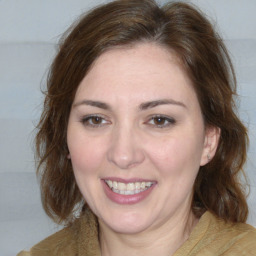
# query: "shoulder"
24,253
213,236
235,230
61,243
56,244
241,239
80,237
229,238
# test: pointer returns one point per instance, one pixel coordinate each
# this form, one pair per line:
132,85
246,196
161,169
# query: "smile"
131,188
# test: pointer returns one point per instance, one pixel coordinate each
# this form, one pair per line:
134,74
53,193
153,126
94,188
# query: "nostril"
124,150
122,160
125,159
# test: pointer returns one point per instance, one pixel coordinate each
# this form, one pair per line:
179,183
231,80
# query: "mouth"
130,188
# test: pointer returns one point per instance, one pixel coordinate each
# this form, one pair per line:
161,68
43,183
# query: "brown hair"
181,28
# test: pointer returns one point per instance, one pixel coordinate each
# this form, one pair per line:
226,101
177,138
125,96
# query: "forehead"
146,70
127,56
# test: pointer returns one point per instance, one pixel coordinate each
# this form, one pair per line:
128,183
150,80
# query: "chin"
127,223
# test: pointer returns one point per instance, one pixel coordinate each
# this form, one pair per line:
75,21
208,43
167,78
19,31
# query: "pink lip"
126,199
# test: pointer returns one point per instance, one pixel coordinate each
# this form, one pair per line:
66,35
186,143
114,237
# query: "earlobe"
212,135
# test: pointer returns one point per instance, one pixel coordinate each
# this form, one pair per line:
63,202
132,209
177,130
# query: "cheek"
176,156
86,154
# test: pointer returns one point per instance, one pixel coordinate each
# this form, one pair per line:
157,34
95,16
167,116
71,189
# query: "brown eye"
96,120
159,120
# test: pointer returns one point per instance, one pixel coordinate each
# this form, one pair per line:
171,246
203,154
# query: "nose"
125,149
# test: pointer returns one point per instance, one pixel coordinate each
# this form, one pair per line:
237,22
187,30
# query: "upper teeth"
129,188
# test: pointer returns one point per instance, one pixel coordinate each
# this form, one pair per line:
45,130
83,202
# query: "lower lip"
126,199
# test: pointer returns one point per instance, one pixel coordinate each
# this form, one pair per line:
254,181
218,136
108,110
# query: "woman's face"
136,138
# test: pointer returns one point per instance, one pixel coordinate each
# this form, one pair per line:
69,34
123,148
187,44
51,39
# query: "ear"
211,141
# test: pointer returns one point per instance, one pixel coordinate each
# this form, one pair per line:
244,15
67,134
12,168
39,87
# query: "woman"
139,145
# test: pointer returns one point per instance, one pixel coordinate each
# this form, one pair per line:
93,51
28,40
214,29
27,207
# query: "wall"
29,31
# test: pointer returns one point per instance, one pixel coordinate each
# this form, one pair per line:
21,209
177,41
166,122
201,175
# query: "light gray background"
29,30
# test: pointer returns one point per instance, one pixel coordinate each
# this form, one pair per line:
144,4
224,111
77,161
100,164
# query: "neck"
163,240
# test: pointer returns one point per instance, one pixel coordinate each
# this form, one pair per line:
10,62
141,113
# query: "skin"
129,141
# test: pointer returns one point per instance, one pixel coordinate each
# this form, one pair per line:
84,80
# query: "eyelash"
168,121
88,121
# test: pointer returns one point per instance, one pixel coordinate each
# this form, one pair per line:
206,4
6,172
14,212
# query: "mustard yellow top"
210,237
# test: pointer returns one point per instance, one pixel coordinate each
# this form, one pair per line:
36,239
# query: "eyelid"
170,121
85,120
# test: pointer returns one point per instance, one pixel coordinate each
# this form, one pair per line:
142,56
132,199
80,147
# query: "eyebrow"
155,103
142,106
93,103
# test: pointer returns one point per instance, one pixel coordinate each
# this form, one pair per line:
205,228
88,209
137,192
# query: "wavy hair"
177,26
